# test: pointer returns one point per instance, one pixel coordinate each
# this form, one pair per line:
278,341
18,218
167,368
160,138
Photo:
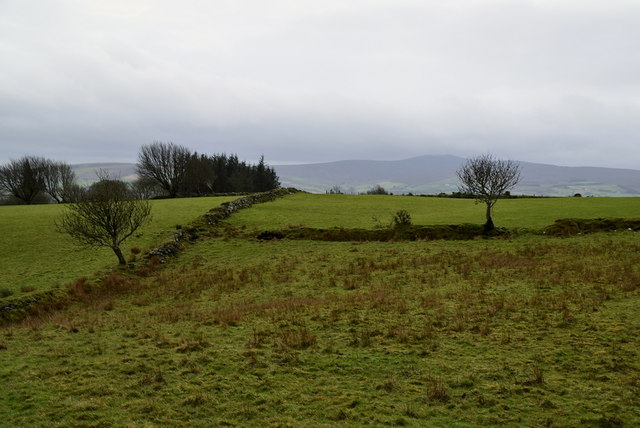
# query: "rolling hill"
87,173
434,174
430,174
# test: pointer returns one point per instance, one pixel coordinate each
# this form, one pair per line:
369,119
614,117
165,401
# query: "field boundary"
454,232
580,226
465,231
213,218
15,308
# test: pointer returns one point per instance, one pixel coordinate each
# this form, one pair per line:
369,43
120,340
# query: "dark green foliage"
181,173
401,219
226,174
233,175
376,190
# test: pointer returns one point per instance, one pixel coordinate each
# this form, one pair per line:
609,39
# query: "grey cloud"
544,81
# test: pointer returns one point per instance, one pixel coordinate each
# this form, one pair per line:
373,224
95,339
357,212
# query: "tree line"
164,170
176,171
34,179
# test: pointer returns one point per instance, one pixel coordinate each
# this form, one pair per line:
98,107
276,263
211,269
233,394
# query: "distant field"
33,254
365,211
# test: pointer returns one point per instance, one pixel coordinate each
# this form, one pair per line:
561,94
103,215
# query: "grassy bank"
35,256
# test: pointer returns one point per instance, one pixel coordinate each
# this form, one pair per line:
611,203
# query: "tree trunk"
121,258
488,226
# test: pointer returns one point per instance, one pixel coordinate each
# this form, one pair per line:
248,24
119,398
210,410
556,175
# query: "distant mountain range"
434,174
423,175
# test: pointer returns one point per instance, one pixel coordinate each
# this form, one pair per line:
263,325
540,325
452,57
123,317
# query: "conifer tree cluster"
179,172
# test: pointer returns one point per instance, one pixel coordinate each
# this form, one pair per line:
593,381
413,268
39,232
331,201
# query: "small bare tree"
106,215
488,179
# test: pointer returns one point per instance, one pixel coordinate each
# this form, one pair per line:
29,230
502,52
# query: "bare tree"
23,178
59,181
30,178
488,179
166,163
145,188
106,215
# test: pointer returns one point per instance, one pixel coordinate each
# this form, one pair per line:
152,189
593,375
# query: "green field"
364,211
35,255
528,331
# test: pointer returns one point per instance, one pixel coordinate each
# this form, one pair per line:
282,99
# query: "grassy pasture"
34,255
533,331
529,331
367,211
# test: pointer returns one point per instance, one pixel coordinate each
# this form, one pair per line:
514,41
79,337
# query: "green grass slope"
531,332
368,211
35,255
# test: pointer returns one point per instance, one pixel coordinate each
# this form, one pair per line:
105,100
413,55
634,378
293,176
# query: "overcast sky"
552,81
